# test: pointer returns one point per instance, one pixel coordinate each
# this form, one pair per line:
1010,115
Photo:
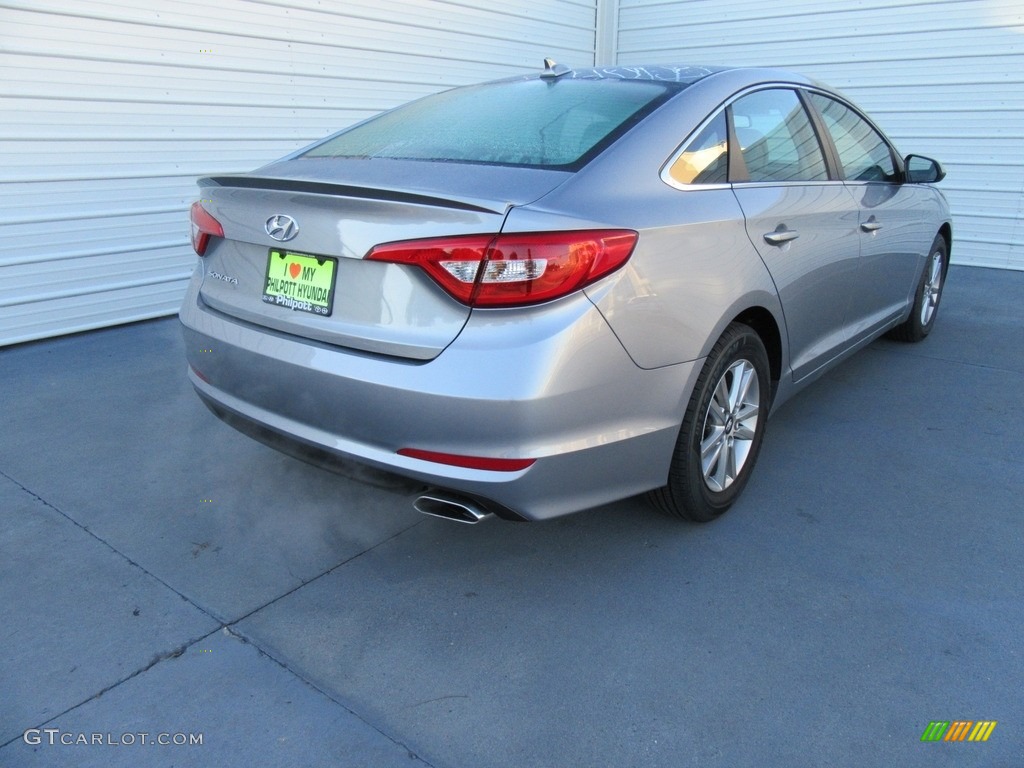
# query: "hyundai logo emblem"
281,227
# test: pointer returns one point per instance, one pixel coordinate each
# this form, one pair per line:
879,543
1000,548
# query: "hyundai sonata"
545,293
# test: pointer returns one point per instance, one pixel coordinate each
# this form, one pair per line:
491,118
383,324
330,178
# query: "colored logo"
959,730
281,227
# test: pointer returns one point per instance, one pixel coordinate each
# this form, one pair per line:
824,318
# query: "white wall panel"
112,109
942,77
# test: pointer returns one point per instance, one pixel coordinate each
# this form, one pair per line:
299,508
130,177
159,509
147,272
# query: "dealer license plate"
300,282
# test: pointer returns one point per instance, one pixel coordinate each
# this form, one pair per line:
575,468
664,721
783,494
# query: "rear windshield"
549,124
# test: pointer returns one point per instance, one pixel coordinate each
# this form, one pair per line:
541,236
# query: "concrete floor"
162,574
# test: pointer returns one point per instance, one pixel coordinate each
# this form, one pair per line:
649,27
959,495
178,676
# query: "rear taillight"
204,226
514,269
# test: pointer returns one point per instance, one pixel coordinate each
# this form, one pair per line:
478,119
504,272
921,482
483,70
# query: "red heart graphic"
294,270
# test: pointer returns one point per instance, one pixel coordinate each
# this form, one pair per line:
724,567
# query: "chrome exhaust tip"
451,508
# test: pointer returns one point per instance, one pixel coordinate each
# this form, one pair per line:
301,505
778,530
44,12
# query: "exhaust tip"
451,508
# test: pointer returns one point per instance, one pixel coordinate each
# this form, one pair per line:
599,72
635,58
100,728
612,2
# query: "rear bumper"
551,384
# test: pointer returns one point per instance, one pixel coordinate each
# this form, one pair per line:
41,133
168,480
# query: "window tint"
862,151
523,122
705,159
776,139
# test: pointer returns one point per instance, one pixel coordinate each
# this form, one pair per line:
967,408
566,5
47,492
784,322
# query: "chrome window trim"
666,168
665,173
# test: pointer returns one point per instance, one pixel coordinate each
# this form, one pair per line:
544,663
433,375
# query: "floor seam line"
230,628
263,652
112,548
158,658
332,569
222,624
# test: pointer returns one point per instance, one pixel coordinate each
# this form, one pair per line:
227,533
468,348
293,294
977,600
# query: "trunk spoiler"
343,190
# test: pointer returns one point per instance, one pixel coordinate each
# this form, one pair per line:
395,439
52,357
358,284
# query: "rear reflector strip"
199,373
469,462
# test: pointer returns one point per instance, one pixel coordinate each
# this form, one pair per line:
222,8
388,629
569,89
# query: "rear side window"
865,155
777,141
551,124
705,159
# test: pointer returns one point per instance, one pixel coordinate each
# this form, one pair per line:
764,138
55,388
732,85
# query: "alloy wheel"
932,289
730,425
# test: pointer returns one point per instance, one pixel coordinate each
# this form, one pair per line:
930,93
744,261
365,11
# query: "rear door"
802,223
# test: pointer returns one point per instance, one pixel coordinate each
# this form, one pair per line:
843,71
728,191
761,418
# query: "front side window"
776,138
864,154
547,124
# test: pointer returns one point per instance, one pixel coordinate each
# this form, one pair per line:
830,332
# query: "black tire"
928,295
700,492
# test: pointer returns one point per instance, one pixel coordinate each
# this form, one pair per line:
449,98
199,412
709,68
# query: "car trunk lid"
315,283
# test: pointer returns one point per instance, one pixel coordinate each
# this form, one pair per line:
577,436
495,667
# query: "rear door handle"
781,236
871,225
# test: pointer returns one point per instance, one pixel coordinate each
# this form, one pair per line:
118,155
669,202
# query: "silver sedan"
545,293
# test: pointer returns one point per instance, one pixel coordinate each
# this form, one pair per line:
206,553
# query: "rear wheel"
929,293
722,430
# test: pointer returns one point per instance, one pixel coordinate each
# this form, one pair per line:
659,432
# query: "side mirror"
923,170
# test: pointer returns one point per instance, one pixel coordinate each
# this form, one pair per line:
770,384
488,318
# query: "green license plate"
300,282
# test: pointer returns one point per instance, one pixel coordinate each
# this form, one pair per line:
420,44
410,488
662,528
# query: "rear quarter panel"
692,272
694,268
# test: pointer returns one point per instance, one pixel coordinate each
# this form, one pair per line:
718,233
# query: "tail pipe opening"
451,507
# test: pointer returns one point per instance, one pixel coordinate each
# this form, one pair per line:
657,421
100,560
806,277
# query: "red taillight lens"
452,261
514,269
203,227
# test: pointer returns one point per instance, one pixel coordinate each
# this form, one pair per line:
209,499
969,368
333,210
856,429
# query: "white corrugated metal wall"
942,77
112,109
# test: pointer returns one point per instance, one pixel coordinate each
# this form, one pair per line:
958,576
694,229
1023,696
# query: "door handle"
871,225
781,236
